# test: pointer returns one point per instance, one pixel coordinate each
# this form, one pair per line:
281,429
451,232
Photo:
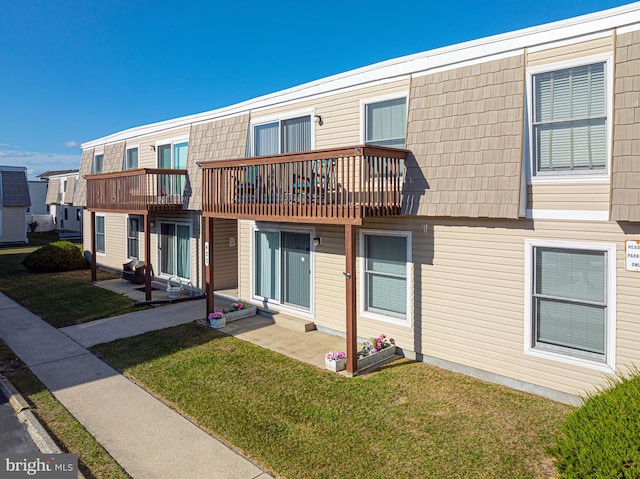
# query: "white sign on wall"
632,255
206,253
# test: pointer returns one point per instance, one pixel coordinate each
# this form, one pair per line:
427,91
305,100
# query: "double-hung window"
385,292
571,300
385,123
100,235
569,120
282,136
133,237
96,165
131,158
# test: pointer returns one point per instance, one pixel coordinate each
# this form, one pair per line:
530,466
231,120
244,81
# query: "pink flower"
334,356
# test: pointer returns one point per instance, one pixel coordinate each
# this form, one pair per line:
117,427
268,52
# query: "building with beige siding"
61,192
478,203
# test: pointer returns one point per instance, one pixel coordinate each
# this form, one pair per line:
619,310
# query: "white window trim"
574,215
172,142
310,313
368,101
310,112
99,253
362,284
610,342
607,59
126,229
126,156
159,257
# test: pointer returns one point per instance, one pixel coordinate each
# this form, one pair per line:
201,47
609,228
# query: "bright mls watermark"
50,466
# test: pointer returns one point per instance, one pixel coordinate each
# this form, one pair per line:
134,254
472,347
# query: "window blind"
570,296
266,139
296,135
386,273
386,123
570,119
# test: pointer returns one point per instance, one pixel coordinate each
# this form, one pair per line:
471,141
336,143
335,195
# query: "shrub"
601,439
56,256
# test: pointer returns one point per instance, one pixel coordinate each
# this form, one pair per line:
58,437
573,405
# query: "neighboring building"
38,216
14,201
60,199
38,195
487,218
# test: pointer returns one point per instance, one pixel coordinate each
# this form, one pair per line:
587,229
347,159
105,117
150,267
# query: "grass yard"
61,299
409,420
71,437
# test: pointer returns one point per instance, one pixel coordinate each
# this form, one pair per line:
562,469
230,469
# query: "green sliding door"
283,267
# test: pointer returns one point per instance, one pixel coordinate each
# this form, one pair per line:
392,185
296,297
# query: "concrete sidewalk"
139,322
147,438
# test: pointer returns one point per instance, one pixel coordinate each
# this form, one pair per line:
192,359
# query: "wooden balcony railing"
341,185
138,190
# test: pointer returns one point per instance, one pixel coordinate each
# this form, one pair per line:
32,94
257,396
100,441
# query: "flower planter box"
335,364
243,313
376,358
218,323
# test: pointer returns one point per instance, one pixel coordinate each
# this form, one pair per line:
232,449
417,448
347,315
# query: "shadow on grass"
61,299
126,353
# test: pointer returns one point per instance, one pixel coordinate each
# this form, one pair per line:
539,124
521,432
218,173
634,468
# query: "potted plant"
335,361
375,350
239,310
217,319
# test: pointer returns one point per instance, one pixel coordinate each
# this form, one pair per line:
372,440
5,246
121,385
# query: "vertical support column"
350,280
94,264
147,257
208,262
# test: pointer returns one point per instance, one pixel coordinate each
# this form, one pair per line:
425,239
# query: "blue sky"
73,71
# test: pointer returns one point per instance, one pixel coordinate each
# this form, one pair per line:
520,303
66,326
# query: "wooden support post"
208,263
94,264
147,257
350,281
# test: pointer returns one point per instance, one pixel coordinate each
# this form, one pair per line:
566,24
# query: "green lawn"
61,299
69,434
409,420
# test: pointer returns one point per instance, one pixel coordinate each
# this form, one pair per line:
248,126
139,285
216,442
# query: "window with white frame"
100,234
96,165
281,136
172,155
385,272
133,237
570,291
569,120
131,158
385,123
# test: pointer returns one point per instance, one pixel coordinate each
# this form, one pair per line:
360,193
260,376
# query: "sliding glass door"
175,250
283,267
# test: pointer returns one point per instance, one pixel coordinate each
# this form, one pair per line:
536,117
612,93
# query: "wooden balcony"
341,185
136,191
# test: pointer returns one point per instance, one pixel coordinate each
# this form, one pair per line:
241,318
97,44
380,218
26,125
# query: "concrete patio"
278,332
